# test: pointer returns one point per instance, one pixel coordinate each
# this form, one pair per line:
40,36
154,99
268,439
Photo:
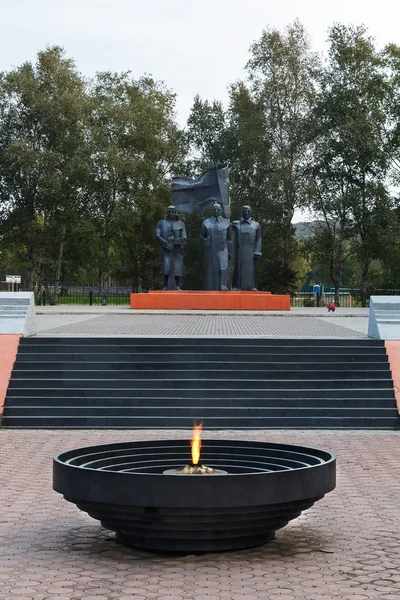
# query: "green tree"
134,144
391,58
208,135
263,136
331,242
352,153
274,107
42,158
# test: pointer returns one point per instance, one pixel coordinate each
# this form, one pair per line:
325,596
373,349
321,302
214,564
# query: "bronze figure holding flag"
216,234
193,196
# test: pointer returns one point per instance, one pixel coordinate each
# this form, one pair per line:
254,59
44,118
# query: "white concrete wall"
17,313
384,317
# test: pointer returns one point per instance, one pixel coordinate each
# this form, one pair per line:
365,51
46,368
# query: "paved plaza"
347,546
121,321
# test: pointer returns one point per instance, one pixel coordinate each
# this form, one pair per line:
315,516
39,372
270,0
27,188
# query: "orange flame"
195,442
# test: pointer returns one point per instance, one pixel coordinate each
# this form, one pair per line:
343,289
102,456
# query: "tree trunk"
59,263
105,276
337,294
364,283
336,277
48,294
287,237
39,272
31,269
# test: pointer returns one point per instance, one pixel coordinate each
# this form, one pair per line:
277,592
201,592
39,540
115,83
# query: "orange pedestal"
193,300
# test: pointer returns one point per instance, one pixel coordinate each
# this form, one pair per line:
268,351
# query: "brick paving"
204,325
347,546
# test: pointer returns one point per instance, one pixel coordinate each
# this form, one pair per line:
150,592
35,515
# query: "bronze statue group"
220,237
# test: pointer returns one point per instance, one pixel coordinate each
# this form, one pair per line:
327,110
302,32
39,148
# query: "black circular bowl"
124,487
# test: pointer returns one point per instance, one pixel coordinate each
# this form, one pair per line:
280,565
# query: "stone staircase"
232,383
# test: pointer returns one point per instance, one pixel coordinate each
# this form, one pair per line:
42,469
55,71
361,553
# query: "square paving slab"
347,546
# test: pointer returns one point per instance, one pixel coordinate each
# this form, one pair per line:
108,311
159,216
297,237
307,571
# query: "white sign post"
14,280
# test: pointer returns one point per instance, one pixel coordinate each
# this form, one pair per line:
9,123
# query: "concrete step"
170,394
198,341
219,402
245,356
199,375
6,301
196,412
292,422
196,383
206,365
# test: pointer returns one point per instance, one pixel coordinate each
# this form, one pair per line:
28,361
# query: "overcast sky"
194,46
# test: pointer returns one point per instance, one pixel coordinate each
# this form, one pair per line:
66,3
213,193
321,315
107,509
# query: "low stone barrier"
384,318
17,313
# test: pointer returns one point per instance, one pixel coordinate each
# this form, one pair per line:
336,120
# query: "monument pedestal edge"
199,300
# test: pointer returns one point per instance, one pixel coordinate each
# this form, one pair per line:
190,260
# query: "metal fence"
75,294
348,299
119,295
86,298
310,299
121,298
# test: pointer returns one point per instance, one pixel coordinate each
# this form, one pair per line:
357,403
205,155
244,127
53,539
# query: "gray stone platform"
121,321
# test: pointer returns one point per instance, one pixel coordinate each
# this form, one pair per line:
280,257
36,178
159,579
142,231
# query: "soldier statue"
171,233
247,233
216,234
